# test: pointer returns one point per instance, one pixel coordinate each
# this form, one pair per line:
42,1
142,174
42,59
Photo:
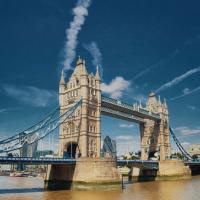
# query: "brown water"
31,189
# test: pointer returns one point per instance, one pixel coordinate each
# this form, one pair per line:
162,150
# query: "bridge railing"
122,115
130,107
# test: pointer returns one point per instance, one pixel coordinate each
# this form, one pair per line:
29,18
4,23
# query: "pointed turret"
140,105
79,61
159,100
62,89
84,70
165,103
152,102
80,68
62,78
97,75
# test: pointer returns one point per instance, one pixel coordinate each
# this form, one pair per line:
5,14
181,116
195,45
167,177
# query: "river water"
18,188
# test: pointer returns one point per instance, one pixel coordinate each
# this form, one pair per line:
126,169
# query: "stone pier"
173,169
168,170
87,173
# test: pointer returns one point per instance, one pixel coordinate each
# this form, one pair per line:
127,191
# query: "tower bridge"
78,117
84,133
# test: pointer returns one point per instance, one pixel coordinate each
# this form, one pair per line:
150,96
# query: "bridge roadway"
148,164
60,161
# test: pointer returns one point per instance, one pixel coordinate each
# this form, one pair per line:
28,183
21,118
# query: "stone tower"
155,135
80,135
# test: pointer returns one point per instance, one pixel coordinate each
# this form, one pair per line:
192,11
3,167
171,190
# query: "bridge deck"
148,164
45,161
118,109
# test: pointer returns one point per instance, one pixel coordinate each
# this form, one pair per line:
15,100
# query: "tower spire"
165,103
97,75
62,78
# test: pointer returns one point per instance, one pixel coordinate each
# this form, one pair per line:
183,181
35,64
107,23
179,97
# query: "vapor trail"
96,54
80,12
185,94
159,63
178,79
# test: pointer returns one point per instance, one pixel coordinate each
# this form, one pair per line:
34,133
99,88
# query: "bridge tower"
80,135
155,135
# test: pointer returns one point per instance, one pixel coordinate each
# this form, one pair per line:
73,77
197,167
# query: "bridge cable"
56,122
181,148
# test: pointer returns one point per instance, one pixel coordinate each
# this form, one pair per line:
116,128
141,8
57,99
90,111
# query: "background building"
194,149
109,147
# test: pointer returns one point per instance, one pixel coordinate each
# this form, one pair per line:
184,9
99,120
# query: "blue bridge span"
149,164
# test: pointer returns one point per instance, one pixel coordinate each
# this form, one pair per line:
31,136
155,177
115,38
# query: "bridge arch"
71,150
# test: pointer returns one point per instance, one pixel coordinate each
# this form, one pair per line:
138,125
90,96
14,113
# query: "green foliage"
177,155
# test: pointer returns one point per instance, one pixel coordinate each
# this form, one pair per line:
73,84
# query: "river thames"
17,188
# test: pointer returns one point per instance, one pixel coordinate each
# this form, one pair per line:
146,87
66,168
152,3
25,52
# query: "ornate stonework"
155,136
83,128
81,132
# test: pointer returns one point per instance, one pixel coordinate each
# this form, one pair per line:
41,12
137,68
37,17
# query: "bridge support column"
84,128
149,140
87,173
173,169
155,135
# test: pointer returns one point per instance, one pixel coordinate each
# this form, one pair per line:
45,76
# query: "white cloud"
188,131
186,92
80,12
140,98
178,79
4,134
31,95
127,143
126,125
116,87
192,107
95,53
3,110
124,137
185,144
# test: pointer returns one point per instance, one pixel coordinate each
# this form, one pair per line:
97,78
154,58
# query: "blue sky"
141,46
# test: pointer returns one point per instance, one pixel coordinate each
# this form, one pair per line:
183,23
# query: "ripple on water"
17,188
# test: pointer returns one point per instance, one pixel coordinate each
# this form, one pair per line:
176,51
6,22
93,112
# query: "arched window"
77,82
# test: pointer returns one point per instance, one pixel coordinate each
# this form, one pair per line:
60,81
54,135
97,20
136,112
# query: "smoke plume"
80,12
